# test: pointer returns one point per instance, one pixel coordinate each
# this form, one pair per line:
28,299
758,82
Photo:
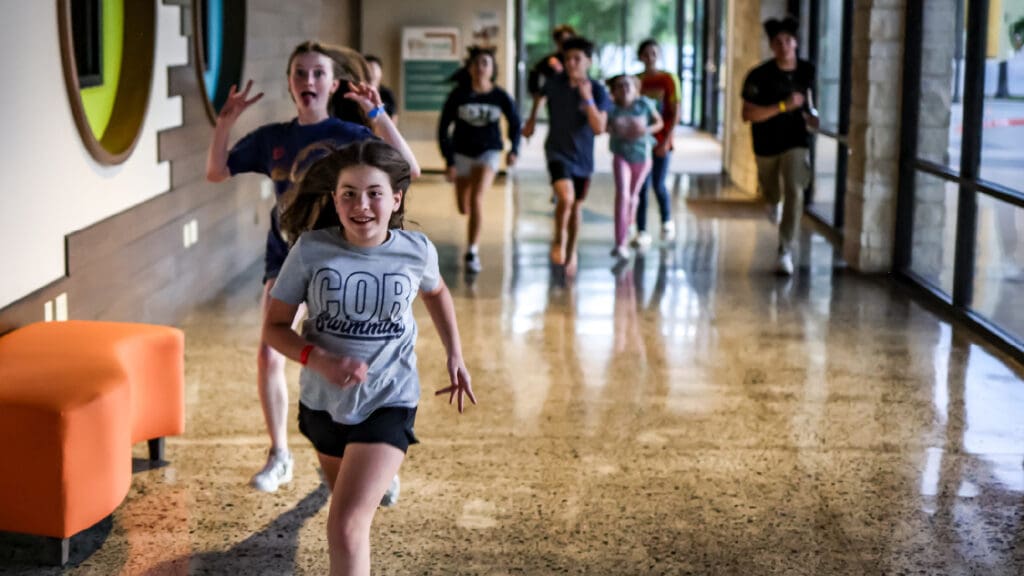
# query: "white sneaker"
668,231
784,265
391,496
621,252
277,471
641,241
775,213
473,262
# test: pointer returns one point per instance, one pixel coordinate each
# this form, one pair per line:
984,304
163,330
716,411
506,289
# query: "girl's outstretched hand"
459,377
237,102
365,95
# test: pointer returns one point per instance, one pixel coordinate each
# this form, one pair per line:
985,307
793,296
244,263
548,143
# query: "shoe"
472,262
620,252
784,265
668,231
775,213
641,241
391,496
277,471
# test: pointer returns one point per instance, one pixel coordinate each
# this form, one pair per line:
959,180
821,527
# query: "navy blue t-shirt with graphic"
275,150
476,119
570,137
272,149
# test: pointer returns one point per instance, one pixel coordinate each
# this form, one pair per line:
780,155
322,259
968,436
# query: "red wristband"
304,355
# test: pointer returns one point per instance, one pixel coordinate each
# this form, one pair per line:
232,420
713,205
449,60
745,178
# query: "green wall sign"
426,83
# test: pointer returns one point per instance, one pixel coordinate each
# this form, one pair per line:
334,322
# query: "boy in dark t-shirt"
577,111
777,100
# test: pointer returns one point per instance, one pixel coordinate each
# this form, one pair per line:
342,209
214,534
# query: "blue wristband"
590,102
375,112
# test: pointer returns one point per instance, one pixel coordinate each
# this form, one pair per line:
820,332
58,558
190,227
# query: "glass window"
537,33
826,151
999,265
600,21
933,250
699,56
651,19
941,109
723,34
1002,156
829,64
687,74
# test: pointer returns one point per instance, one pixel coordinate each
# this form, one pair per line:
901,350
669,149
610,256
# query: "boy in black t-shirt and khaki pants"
777,100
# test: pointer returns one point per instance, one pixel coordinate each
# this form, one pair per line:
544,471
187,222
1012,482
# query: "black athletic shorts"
559,171
389,425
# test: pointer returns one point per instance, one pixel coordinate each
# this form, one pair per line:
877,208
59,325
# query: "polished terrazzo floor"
687,413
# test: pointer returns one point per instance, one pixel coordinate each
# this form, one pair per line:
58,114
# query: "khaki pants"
788,173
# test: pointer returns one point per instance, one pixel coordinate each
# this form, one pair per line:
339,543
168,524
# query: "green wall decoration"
110,116
98,101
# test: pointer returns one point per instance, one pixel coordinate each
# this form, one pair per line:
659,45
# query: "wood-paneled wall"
133,266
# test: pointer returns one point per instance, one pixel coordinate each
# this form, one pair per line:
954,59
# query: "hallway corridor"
686,413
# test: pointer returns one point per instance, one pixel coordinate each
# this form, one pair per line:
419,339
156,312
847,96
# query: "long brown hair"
310,205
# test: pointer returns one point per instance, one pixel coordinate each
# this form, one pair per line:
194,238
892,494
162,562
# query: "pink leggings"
629,177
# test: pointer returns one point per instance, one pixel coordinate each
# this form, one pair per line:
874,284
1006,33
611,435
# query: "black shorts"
388,425
559,171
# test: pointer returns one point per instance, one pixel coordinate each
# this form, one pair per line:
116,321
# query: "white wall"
52,186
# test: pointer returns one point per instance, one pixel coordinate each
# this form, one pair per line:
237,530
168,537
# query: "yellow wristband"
782,105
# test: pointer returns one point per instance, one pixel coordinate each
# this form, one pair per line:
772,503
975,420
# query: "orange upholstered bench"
74,397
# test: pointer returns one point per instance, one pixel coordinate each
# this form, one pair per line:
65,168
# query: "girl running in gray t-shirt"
358,279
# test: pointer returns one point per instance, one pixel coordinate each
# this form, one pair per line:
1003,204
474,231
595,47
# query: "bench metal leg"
156,449
58,550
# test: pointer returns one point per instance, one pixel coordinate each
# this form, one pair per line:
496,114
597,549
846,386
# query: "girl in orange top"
663,88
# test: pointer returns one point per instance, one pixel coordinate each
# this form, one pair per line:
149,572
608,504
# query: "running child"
663,88
631,123
273,150
359,384
577,108
472,153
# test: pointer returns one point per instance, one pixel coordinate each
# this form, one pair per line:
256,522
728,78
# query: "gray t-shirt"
360,305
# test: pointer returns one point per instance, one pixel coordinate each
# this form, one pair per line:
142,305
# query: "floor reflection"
716,352
685,411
